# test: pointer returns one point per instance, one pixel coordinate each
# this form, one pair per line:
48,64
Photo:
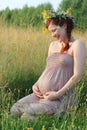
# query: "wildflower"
45,30
68,11
46,15
30,128
44,12
43,128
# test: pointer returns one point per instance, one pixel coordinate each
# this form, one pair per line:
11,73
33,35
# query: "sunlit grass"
23,55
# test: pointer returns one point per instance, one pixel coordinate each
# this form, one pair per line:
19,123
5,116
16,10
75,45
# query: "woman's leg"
21,105
39,108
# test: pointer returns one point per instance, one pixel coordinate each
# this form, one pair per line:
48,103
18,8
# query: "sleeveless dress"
59,69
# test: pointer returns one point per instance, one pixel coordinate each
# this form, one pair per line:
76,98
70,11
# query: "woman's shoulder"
79,46
78,43
53,43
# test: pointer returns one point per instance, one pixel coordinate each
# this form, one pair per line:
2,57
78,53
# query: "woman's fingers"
47,93
37,91
39,95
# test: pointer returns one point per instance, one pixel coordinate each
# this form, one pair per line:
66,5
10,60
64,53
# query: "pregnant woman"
55,89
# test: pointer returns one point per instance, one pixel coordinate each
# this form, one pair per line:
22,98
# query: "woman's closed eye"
53,30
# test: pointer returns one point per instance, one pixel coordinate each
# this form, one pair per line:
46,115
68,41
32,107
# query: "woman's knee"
15,110
28,117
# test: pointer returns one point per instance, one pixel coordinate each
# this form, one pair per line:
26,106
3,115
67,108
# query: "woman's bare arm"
79,55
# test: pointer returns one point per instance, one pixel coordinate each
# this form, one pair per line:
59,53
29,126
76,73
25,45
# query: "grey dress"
59,69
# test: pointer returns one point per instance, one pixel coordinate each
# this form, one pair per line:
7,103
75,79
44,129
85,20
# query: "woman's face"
58,32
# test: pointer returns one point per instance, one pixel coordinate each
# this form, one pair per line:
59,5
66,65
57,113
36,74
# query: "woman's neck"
65,41
65,44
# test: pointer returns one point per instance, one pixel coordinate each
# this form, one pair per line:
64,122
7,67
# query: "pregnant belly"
49,81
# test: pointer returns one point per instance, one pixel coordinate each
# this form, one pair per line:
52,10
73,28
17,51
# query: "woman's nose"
53,34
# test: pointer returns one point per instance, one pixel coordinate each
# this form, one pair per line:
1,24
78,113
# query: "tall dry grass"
22,45
22,55
81,35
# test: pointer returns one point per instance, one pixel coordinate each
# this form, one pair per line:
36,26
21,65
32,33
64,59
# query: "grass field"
22,59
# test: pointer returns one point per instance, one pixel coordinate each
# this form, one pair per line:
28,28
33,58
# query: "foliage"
79,10
31,16
24,17
6,15
76,120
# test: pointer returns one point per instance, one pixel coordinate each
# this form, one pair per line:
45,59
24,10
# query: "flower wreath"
47,14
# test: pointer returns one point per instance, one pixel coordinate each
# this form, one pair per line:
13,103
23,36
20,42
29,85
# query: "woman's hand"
51,95
37,91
